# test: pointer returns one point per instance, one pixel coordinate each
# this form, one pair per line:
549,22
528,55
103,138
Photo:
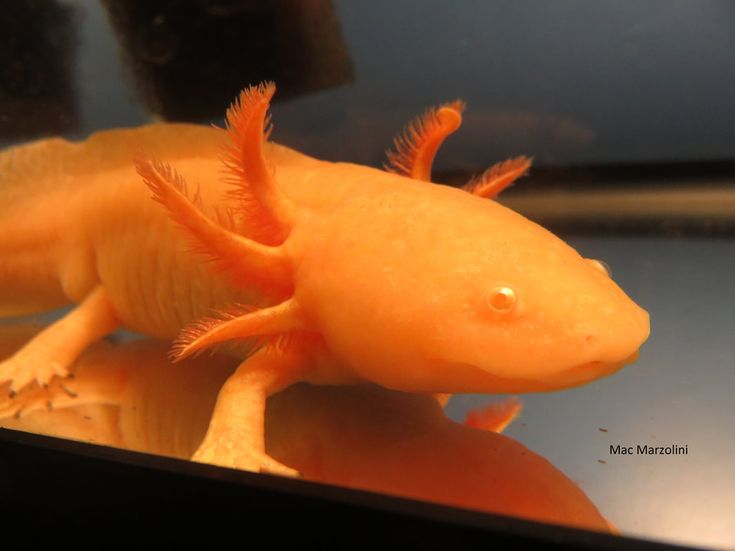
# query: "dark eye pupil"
501,298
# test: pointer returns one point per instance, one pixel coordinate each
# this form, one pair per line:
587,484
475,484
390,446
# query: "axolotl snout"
325,272
479,298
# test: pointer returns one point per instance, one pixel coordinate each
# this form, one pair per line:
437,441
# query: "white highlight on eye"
502,299
601,266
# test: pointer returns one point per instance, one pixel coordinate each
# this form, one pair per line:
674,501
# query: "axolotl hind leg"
56,348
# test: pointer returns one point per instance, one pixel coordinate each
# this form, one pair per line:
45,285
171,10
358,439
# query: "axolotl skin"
329,273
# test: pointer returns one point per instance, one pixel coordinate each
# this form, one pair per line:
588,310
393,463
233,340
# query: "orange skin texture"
360,275
131,396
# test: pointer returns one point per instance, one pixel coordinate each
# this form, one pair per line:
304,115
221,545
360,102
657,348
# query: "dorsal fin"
416,146
498,177
265,213
55,164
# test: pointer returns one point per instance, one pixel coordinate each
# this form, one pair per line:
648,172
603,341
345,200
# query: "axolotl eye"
502,300
600,266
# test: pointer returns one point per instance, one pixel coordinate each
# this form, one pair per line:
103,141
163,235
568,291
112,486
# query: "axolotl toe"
323,272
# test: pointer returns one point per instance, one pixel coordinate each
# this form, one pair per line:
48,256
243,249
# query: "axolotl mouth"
476,379
583,374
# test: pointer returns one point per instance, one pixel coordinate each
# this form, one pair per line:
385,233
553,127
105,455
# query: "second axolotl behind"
331,273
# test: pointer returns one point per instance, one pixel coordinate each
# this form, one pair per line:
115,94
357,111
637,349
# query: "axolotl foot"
54,350
27,366
61,393
226,456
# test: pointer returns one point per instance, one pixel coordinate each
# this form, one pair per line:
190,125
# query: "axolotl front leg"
235,437
236,434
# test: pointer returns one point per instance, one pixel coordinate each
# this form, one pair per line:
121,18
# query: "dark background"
569,82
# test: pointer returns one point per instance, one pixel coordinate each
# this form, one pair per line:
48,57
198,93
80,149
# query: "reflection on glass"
38,47
190,59
131,396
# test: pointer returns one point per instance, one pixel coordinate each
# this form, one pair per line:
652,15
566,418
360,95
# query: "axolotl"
329,273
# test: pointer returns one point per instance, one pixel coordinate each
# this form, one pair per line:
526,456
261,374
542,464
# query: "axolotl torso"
323,272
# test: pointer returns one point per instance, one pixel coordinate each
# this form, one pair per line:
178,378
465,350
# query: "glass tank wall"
627,108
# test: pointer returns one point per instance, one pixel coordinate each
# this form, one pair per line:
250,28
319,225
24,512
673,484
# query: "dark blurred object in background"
37,53
189,59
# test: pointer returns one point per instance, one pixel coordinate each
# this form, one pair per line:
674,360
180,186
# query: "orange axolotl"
330,273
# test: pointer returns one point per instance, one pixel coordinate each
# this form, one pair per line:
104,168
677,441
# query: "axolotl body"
331,273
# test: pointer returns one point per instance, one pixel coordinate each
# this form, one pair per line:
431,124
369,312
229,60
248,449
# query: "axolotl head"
433,289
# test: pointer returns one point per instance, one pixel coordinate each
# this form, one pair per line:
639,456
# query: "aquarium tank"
625,112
